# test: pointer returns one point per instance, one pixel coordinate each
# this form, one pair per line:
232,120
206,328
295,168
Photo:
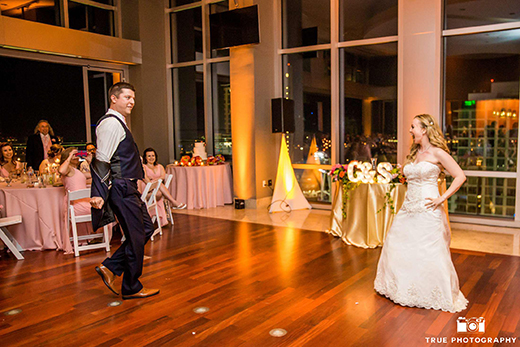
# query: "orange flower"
342,174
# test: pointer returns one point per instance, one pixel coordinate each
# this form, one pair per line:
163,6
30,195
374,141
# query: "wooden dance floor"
253,278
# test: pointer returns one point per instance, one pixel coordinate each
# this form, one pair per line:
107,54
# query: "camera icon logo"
471,325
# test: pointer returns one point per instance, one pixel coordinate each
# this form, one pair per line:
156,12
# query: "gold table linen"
364,227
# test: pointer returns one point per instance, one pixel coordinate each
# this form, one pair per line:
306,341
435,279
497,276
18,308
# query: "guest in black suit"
39,144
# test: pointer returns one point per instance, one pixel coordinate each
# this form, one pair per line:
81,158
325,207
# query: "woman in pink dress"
152,172
7,162
73,180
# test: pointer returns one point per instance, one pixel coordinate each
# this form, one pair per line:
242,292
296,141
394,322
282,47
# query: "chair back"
73,219
168,180
78,195
153,188
73,196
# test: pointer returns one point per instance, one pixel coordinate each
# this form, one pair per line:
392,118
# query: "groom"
116,168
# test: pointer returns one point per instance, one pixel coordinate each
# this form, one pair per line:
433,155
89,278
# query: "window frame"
335,47
206,63
460,218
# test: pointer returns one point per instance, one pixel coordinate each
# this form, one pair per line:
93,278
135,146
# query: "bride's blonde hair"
434,133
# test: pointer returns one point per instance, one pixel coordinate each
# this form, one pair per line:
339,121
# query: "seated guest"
152,172
91,151
7,162
73,180
39,144
53,157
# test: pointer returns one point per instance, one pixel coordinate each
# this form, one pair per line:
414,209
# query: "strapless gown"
415,267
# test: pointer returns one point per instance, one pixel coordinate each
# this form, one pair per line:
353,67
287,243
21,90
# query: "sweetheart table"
363,226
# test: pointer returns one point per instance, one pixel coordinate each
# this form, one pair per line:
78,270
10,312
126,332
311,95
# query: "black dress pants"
133,217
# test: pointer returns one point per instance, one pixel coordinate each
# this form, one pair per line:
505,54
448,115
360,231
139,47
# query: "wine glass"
9,179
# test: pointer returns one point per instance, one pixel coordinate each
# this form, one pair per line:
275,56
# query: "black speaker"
240,204
282,112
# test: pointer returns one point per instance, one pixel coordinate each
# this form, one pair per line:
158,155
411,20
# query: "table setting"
39,199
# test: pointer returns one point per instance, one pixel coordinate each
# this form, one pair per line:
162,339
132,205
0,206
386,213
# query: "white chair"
151,203
8,239
72,220
167,182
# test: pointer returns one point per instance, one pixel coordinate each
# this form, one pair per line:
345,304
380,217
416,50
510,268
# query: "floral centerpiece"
339,173
397,177
197,161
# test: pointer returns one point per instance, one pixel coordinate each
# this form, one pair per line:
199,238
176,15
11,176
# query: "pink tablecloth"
201,186
42,215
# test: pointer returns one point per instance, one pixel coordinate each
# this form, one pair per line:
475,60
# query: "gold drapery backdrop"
364,227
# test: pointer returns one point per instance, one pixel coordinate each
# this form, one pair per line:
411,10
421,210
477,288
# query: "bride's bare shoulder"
439,152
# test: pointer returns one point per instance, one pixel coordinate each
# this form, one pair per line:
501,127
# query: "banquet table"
363,226
201,186
43,213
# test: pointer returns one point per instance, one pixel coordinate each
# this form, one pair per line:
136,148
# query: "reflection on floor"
490,241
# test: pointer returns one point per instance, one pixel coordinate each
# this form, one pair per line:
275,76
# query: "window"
460,14
188,103
221,101
200,80
95,16
369,104
481,87
343,111
305,23
33,90
217,8
186,32
367,19
307,81
47,12
91,19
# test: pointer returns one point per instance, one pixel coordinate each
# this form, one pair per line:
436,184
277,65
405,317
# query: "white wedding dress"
415,268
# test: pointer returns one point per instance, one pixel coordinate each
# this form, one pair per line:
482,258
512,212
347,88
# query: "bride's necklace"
425,150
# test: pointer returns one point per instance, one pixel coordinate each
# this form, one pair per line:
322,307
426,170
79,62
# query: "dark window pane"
481,87
221,99
367,19
186,32
47,12
33,90
188,103
91,19
305,22
98,84
369,107
306,80
460,14
174,3
217,8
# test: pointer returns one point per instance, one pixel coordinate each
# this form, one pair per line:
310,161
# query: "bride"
415,268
